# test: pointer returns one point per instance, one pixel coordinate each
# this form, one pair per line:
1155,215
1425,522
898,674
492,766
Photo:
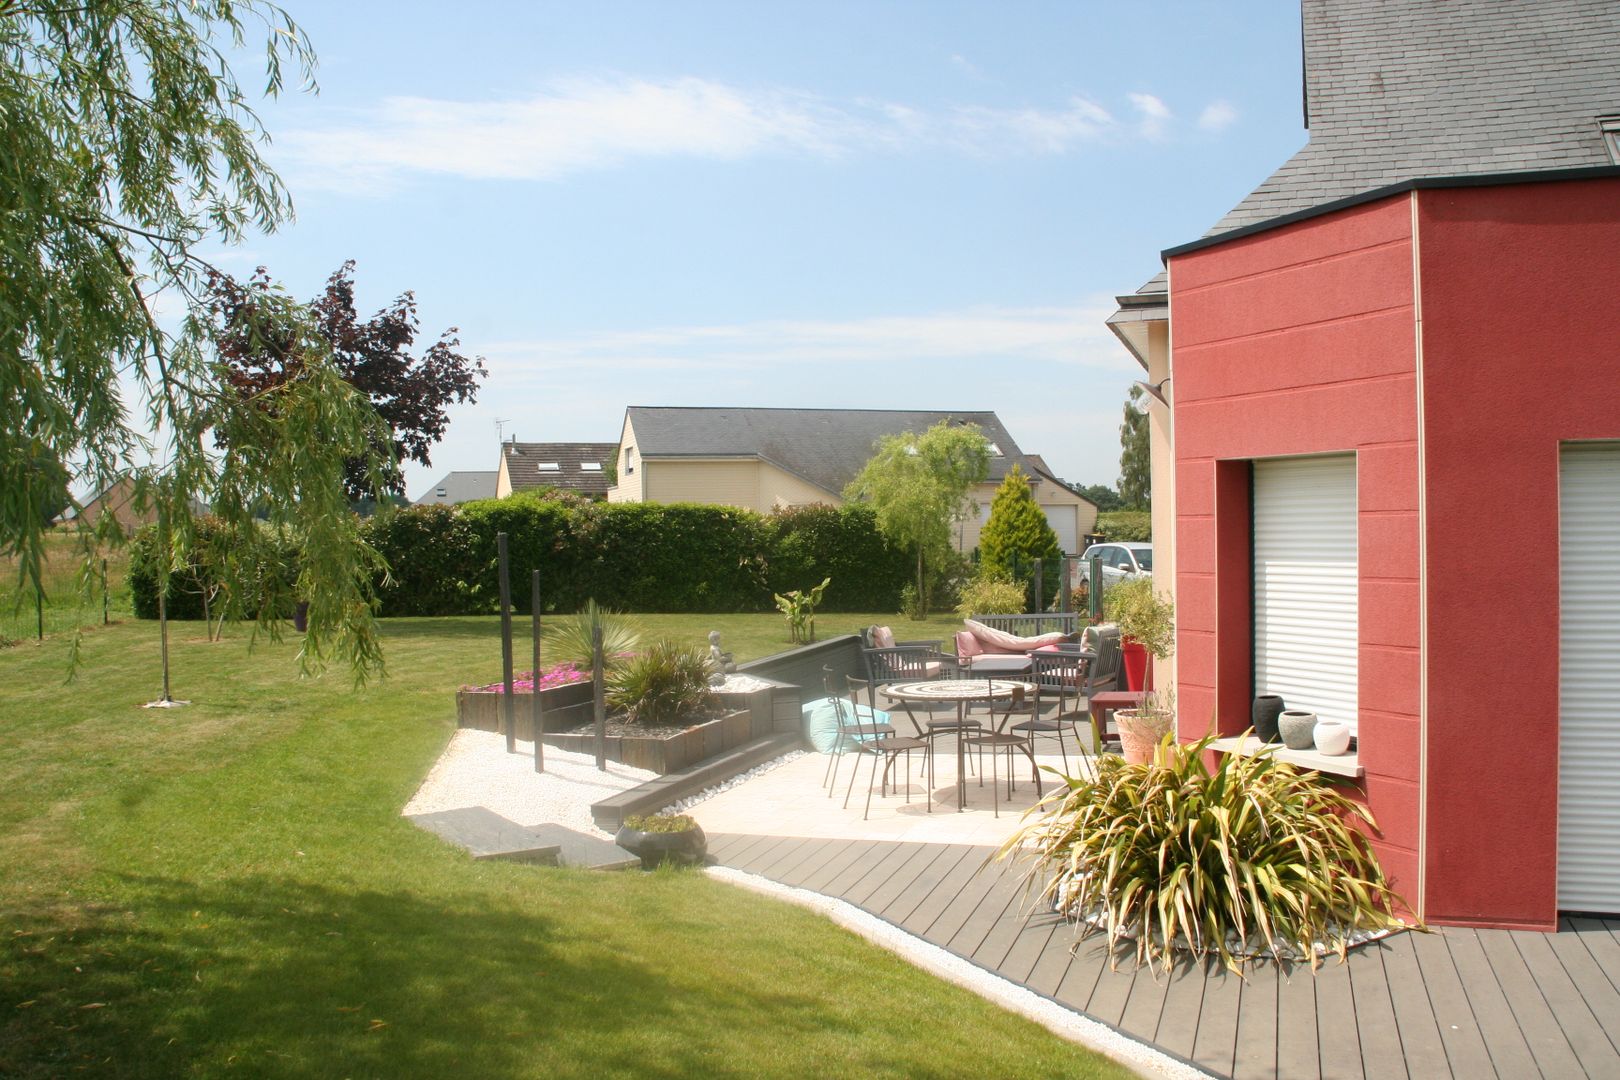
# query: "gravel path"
476,770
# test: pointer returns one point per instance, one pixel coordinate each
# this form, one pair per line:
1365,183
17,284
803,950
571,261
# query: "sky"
822,205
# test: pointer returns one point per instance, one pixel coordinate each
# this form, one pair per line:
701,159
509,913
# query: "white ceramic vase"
1295,727
1332,737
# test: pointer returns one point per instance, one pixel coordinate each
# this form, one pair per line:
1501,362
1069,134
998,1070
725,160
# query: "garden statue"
720,661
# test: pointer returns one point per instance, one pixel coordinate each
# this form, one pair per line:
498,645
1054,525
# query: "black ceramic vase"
1267,707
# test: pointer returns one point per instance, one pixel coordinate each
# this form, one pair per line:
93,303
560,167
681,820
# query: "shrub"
674,557
571,638
1017,533
991,594
236,576
537,538
799,608
1142,614
660,823
1124,525
807,543
663,685
1254,855
433,559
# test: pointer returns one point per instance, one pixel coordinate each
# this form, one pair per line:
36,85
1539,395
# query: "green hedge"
267,566
1121,525
646,557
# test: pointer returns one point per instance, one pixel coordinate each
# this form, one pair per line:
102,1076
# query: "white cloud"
1217,116
1154,115
581,124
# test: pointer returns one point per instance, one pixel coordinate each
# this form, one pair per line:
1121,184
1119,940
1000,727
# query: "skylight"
549,466
591,466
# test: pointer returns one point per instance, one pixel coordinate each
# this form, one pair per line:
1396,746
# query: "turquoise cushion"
821,723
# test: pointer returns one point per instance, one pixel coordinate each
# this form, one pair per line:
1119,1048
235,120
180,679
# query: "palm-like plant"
569,638
666,684
1252,855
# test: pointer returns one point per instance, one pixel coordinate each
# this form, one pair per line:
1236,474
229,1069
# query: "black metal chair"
1107,669
888,747
1004,738
851,730
1059,676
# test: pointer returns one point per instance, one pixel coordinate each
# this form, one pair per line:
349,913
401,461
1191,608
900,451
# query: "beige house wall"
778,487
1161,443
722,481
503,479
632,483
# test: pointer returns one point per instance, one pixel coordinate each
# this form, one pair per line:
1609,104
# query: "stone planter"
685,848
1139,734
1267,707
1297,728
681,748
1332,737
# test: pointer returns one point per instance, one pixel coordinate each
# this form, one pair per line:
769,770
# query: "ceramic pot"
1332,737
1135,657
656,848
1267,707
1136,736
1297,728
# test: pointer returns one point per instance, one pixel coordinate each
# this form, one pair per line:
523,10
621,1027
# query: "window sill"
1337,765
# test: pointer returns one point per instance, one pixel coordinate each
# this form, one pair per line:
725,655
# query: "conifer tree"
1017,530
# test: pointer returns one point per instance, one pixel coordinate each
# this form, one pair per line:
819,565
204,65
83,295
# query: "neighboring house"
1387,485
454,488
116,499
582,468
762,459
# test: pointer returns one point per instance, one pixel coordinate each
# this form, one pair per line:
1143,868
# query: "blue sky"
878,205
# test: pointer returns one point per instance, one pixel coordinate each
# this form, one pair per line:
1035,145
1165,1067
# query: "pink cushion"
883,637
1003,642
1046,648
932,669
967,645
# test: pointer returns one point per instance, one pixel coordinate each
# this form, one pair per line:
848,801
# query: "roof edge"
1546,176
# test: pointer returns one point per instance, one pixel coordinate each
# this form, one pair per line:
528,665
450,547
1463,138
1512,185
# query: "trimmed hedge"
1125,525
646,557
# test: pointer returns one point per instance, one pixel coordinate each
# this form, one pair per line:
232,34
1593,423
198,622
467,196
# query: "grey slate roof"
523,461
460,487
826,447
1397,90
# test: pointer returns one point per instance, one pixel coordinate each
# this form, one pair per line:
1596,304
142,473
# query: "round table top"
955,690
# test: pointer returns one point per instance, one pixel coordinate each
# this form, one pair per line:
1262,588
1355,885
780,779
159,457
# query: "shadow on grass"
281,978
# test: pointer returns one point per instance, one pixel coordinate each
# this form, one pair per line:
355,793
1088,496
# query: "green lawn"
228,889
63,607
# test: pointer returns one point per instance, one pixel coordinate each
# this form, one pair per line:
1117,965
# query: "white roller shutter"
1589,678
1064,522
1305,583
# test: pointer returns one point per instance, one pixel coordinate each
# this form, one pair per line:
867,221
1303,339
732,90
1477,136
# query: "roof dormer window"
995,451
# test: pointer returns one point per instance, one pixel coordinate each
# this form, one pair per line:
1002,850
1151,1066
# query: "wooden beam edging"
1060,1020
655,794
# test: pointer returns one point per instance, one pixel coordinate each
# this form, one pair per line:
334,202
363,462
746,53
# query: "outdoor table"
959,691
1102,708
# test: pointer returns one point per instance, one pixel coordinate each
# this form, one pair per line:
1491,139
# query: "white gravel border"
1065,1023
680,805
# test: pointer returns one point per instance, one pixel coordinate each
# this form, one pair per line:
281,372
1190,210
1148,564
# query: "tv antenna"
500,436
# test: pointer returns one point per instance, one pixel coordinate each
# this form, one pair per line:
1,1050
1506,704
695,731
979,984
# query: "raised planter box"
751,716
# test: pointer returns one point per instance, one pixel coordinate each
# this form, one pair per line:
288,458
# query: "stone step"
583,850
487,835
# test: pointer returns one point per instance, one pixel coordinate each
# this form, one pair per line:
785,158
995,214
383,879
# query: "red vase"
1136,661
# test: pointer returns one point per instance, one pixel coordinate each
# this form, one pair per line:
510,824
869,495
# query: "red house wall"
1520,350
1301,340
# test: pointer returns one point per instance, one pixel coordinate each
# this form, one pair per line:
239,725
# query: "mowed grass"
228,889
61,605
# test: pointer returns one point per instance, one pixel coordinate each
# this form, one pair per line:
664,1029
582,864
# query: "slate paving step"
487,835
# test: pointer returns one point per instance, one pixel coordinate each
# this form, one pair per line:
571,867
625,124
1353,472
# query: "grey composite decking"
1473,1004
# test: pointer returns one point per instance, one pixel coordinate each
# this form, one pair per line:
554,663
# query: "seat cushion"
967,645
821,723
1000,641
882,637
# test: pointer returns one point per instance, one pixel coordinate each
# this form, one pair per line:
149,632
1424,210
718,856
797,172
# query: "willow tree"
919,486
126,144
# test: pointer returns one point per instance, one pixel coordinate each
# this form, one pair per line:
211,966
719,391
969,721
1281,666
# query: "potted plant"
1147,626
660,838
1143,728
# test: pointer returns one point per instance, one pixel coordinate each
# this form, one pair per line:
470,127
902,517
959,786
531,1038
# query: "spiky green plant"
568,638
665,684
1252,855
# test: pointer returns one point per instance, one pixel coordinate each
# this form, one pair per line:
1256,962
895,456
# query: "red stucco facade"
1450,338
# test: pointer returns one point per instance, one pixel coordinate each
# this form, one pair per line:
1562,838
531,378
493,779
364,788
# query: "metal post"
1040,589
1063,583
105,609
598,700
537,724
506,641
39,608
163,632
1096,588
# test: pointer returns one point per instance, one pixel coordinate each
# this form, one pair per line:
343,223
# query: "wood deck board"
1510,1054
1569,1004
1466,1053
1298,1050
1338,1038
1215,1047
1462,1003
1546,1040
1256,1051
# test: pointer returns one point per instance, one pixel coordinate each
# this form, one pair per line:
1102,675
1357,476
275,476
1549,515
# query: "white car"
1120,561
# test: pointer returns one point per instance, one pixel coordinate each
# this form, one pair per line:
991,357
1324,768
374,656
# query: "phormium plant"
1251,856
569,638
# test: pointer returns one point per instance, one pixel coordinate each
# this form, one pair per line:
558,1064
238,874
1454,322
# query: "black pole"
538,724
506,640
104,601
39,608
163,631
598,703
1063,584
1096,588
1040,588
